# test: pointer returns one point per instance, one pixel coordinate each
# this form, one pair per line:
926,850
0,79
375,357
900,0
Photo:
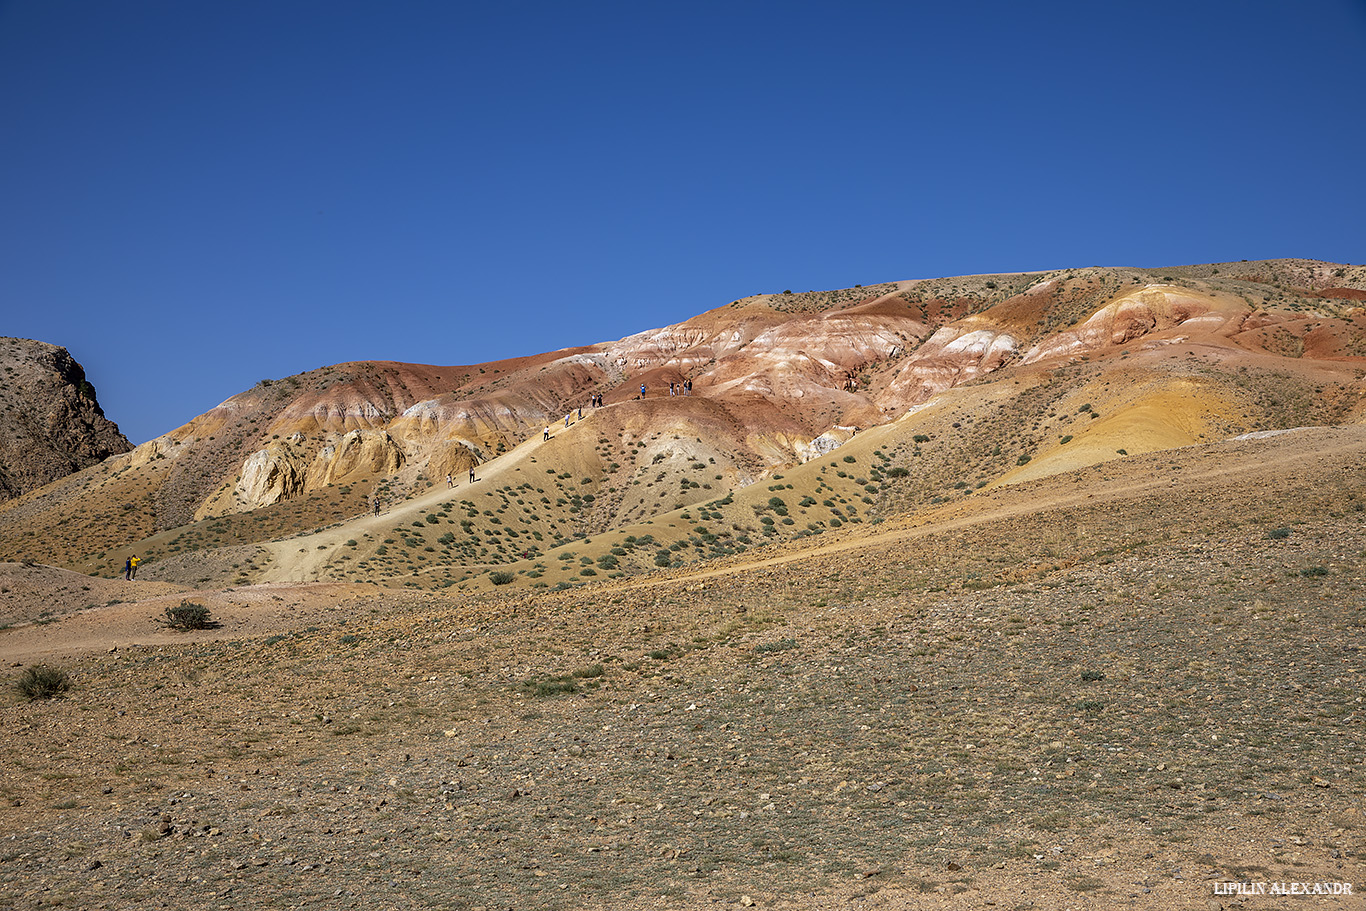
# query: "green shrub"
42,682
549,686
662,558
187,615
501,578
1278,534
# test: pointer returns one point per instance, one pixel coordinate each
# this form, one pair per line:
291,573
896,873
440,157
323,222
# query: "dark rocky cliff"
51,424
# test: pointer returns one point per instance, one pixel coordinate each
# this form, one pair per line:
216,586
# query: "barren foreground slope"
1113,686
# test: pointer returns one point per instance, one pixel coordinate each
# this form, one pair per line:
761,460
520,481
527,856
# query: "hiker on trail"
131,569
687,387
471,474
642,390
566,420
545,434
449,482
376,505
580,412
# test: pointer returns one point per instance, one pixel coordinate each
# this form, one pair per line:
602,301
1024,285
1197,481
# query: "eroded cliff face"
290,467
51,424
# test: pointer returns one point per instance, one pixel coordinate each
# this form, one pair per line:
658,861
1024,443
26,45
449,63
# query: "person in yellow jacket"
130,568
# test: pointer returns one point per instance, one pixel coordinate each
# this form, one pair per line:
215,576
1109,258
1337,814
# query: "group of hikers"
130,568
682,387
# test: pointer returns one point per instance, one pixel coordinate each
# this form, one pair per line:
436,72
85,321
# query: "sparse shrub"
551,686
850,459
1278,534
501,578
662,558
1022,460
42,682
1089,675
921,438
1310,572
187,615
897,472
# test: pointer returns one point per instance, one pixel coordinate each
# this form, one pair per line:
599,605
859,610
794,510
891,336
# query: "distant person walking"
566,420
642,390
545,434
376,505
471,474
449,481
130,568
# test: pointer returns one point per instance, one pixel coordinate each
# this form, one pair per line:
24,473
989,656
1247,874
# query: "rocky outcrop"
287,468
51,424
270,475
825,444
358,454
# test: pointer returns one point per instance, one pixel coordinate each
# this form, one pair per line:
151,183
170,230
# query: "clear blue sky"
195,196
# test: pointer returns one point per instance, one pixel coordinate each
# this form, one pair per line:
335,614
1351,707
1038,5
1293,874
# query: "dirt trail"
259,610
306,558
